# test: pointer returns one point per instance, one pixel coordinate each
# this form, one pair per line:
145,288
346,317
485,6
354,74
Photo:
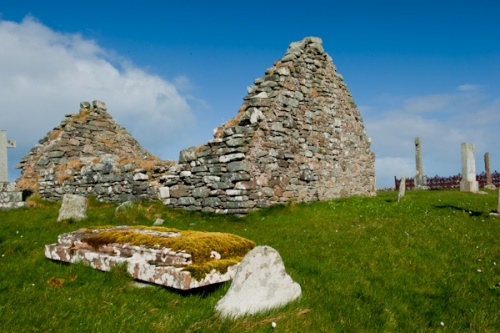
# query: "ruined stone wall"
298,135
10,197
89,154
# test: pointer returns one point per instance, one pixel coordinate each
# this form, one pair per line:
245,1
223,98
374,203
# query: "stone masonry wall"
298,136
88,154
10,197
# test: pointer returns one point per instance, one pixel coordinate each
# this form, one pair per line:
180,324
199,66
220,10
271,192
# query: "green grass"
428,263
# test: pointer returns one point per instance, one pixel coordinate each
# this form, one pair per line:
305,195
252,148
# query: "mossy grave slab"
169,257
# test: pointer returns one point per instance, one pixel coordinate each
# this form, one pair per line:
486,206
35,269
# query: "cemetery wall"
298,136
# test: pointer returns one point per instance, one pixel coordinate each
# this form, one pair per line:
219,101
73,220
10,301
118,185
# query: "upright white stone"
73,207
469,182
261,283
402,188
4,144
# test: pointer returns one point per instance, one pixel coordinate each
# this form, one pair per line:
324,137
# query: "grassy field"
430,263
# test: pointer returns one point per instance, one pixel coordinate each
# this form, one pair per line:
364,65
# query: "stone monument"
469,182
10,197
419,176
402,188
4,144
489,181
261,283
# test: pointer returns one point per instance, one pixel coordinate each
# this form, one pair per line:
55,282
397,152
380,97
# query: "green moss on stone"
232,248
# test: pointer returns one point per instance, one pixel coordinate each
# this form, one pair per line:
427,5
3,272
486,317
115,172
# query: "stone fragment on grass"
159,221
73,207
261,283
169,257
124,206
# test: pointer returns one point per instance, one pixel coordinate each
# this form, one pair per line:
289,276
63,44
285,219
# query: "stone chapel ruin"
297,136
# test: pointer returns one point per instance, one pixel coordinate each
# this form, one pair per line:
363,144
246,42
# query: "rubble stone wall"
10,197
298,136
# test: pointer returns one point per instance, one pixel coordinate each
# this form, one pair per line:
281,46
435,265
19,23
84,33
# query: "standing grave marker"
4,144
469,182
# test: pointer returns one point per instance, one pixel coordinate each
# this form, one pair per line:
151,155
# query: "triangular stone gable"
81,139
298,136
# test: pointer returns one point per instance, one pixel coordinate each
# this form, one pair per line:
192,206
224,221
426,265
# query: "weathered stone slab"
261,283
73,207
155,254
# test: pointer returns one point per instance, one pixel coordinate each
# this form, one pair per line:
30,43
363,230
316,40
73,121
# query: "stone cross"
489,181
419,176
469,182
4,144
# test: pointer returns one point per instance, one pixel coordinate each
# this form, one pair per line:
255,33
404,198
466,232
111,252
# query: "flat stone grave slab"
169,257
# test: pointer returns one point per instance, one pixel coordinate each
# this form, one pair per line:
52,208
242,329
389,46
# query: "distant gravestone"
4,144
261,283
73,207
497,214
402,188
419,176
469,182
489,181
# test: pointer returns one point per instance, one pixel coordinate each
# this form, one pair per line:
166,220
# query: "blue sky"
172,72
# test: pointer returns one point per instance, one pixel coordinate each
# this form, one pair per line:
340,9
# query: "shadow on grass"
472,213
201,292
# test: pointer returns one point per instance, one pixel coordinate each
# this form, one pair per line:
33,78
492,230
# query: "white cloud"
469,87
46,74
431,103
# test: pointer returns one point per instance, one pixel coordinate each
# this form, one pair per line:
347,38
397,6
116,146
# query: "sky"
171,72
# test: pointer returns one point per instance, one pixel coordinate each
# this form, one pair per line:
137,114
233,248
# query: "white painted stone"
260,283
73,207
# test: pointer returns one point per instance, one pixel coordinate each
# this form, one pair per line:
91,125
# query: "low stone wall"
10,197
